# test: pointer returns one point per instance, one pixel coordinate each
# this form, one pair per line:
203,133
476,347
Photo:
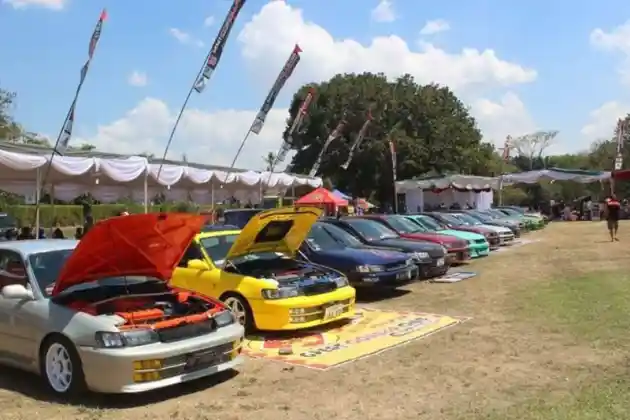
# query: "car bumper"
386,279
456,256
495,242
434,268
154,366
303,311
479,250
506,239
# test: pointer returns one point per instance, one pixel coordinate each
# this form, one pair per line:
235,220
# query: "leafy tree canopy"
432,129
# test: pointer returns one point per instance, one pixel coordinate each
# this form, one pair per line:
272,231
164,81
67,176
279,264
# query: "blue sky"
548,71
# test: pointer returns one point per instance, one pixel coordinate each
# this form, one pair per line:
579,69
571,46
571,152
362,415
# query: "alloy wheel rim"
58,368
237,308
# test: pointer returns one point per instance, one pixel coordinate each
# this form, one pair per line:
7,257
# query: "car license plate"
199,360
404,276
440,262
333,311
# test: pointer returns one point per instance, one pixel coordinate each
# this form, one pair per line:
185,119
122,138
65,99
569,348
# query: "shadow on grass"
593,308
32,386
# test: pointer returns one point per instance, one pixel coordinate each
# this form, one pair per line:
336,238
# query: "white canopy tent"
423,193
110,179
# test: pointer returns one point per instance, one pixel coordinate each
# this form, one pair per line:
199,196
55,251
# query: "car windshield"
496,213
428,223
480,217
341,235
320,239
7,221
450,219
371,230
468,220
46,267
404,225
511,212
217,247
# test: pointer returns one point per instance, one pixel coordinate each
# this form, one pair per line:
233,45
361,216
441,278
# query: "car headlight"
448,246
369,268
113,340
445,249
342,281
409,261
224,318
280,293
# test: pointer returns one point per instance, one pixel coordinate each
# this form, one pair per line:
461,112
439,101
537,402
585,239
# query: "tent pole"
146,192
38,182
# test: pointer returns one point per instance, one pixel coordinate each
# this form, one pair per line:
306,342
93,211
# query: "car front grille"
319,288
395,266
178,365
480,241
181,332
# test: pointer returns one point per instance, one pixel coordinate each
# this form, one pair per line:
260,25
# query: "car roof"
218,228
33,246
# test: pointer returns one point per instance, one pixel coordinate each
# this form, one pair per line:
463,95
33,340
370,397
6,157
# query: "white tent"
110,179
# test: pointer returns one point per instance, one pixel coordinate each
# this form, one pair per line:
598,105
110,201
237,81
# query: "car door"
17,336
193,278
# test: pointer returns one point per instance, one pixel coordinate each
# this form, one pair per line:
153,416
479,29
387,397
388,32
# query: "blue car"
333,247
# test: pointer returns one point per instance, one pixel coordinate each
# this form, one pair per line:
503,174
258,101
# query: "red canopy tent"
321,196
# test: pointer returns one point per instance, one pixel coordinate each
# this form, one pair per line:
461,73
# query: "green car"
478,246
532,221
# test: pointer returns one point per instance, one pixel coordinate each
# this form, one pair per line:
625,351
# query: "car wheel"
61,367
241,310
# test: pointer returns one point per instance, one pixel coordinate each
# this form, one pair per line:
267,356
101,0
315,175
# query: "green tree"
269,160
431,127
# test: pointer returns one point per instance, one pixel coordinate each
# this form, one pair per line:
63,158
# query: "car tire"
61,368
241,310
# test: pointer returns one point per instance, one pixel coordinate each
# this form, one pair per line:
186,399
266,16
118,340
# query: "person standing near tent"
612,211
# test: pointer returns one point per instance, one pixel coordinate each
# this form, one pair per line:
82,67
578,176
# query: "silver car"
98,314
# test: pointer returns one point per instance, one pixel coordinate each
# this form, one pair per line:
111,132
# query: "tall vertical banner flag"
392,152
61,145
620,137
295,126
218,46
331,137
358,140
506,148
284,75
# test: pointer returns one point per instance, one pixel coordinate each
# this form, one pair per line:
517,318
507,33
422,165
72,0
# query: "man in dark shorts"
613,209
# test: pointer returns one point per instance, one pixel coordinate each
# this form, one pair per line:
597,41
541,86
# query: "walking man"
613,209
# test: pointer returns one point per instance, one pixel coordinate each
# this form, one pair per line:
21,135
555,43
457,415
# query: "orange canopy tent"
321,196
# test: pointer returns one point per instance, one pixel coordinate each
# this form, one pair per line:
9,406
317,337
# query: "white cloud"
266,41
497,120
185,38
433,27
138,79
384,12
616,40
48,4
602,120
208,137
209,21
271,34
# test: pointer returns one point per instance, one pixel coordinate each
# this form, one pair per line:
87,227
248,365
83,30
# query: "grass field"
548,339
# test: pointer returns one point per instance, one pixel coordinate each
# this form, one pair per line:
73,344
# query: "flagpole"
181,113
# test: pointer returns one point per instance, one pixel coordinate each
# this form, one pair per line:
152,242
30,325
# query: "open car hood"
279,230
148,245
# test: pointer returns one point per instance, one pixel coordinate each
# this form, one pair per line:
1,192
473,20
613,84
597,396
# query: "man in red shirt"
613,209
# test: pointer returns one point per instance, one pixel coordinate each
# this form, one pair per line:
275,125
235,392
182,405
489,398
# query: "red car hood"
148,245
433,237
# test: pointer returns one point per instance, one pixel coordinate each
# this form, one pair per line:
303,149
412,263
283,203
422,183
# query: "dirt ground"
522,352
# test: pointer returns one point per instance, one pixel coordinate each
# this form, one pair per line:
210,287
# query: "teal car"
478,246
533,221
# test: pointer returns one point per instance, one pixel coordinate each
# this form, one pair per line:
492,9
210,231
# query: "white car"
506,237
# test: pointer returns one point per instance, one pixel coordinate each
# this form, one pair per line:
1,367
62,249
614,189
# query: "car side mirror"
17,291
198,265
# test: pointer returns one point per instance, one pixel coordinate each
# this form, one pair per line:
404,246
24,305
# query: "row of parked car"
151,300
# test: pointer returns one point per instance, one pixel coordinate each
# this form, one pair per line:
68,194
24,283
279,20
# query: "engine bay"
155,305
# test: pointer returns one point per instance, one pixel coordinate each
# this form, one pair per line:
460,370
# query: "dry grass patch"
549,324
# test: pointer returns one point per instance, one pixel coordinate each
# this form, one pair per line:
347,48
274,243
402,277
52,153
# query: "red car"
457,249
454,223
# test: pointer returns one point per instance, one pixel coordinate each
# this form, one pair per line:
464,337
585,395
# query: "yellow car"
254,271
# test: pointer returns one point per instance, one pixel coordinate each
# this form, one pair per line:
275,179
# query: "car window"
7,221
341,235
371,230
12,269
428,223
192,253
217,247
320,239
404,225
